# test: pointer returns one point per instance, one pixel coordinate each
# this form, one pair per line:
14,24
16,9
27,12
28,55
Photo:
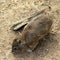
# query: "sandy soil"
11,11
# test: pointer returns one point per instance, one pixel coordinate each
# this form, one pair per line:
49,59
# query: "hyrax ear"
14,41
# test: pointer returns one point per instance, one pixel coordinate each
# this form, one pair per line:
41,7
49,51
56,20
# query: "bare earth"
11,11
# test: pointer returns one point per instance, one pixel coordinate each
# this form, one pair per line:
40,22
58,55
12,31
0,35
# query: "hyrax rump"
32,33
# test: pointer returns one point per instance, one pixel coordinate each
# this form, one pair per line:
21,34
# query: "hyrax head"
18,45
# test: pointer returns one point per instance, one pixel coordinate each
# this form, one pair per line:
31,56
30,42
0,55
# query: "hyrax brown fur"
32,33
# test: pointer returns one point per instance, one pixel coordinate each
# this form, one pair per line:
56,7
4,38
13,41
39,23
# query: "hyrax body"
32,33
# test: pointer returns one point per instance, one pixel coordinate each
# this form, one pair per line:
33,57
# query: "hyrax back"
32,33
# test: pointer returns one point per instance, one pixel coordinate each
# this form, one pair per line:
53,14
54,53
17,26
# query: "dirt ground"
11,11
